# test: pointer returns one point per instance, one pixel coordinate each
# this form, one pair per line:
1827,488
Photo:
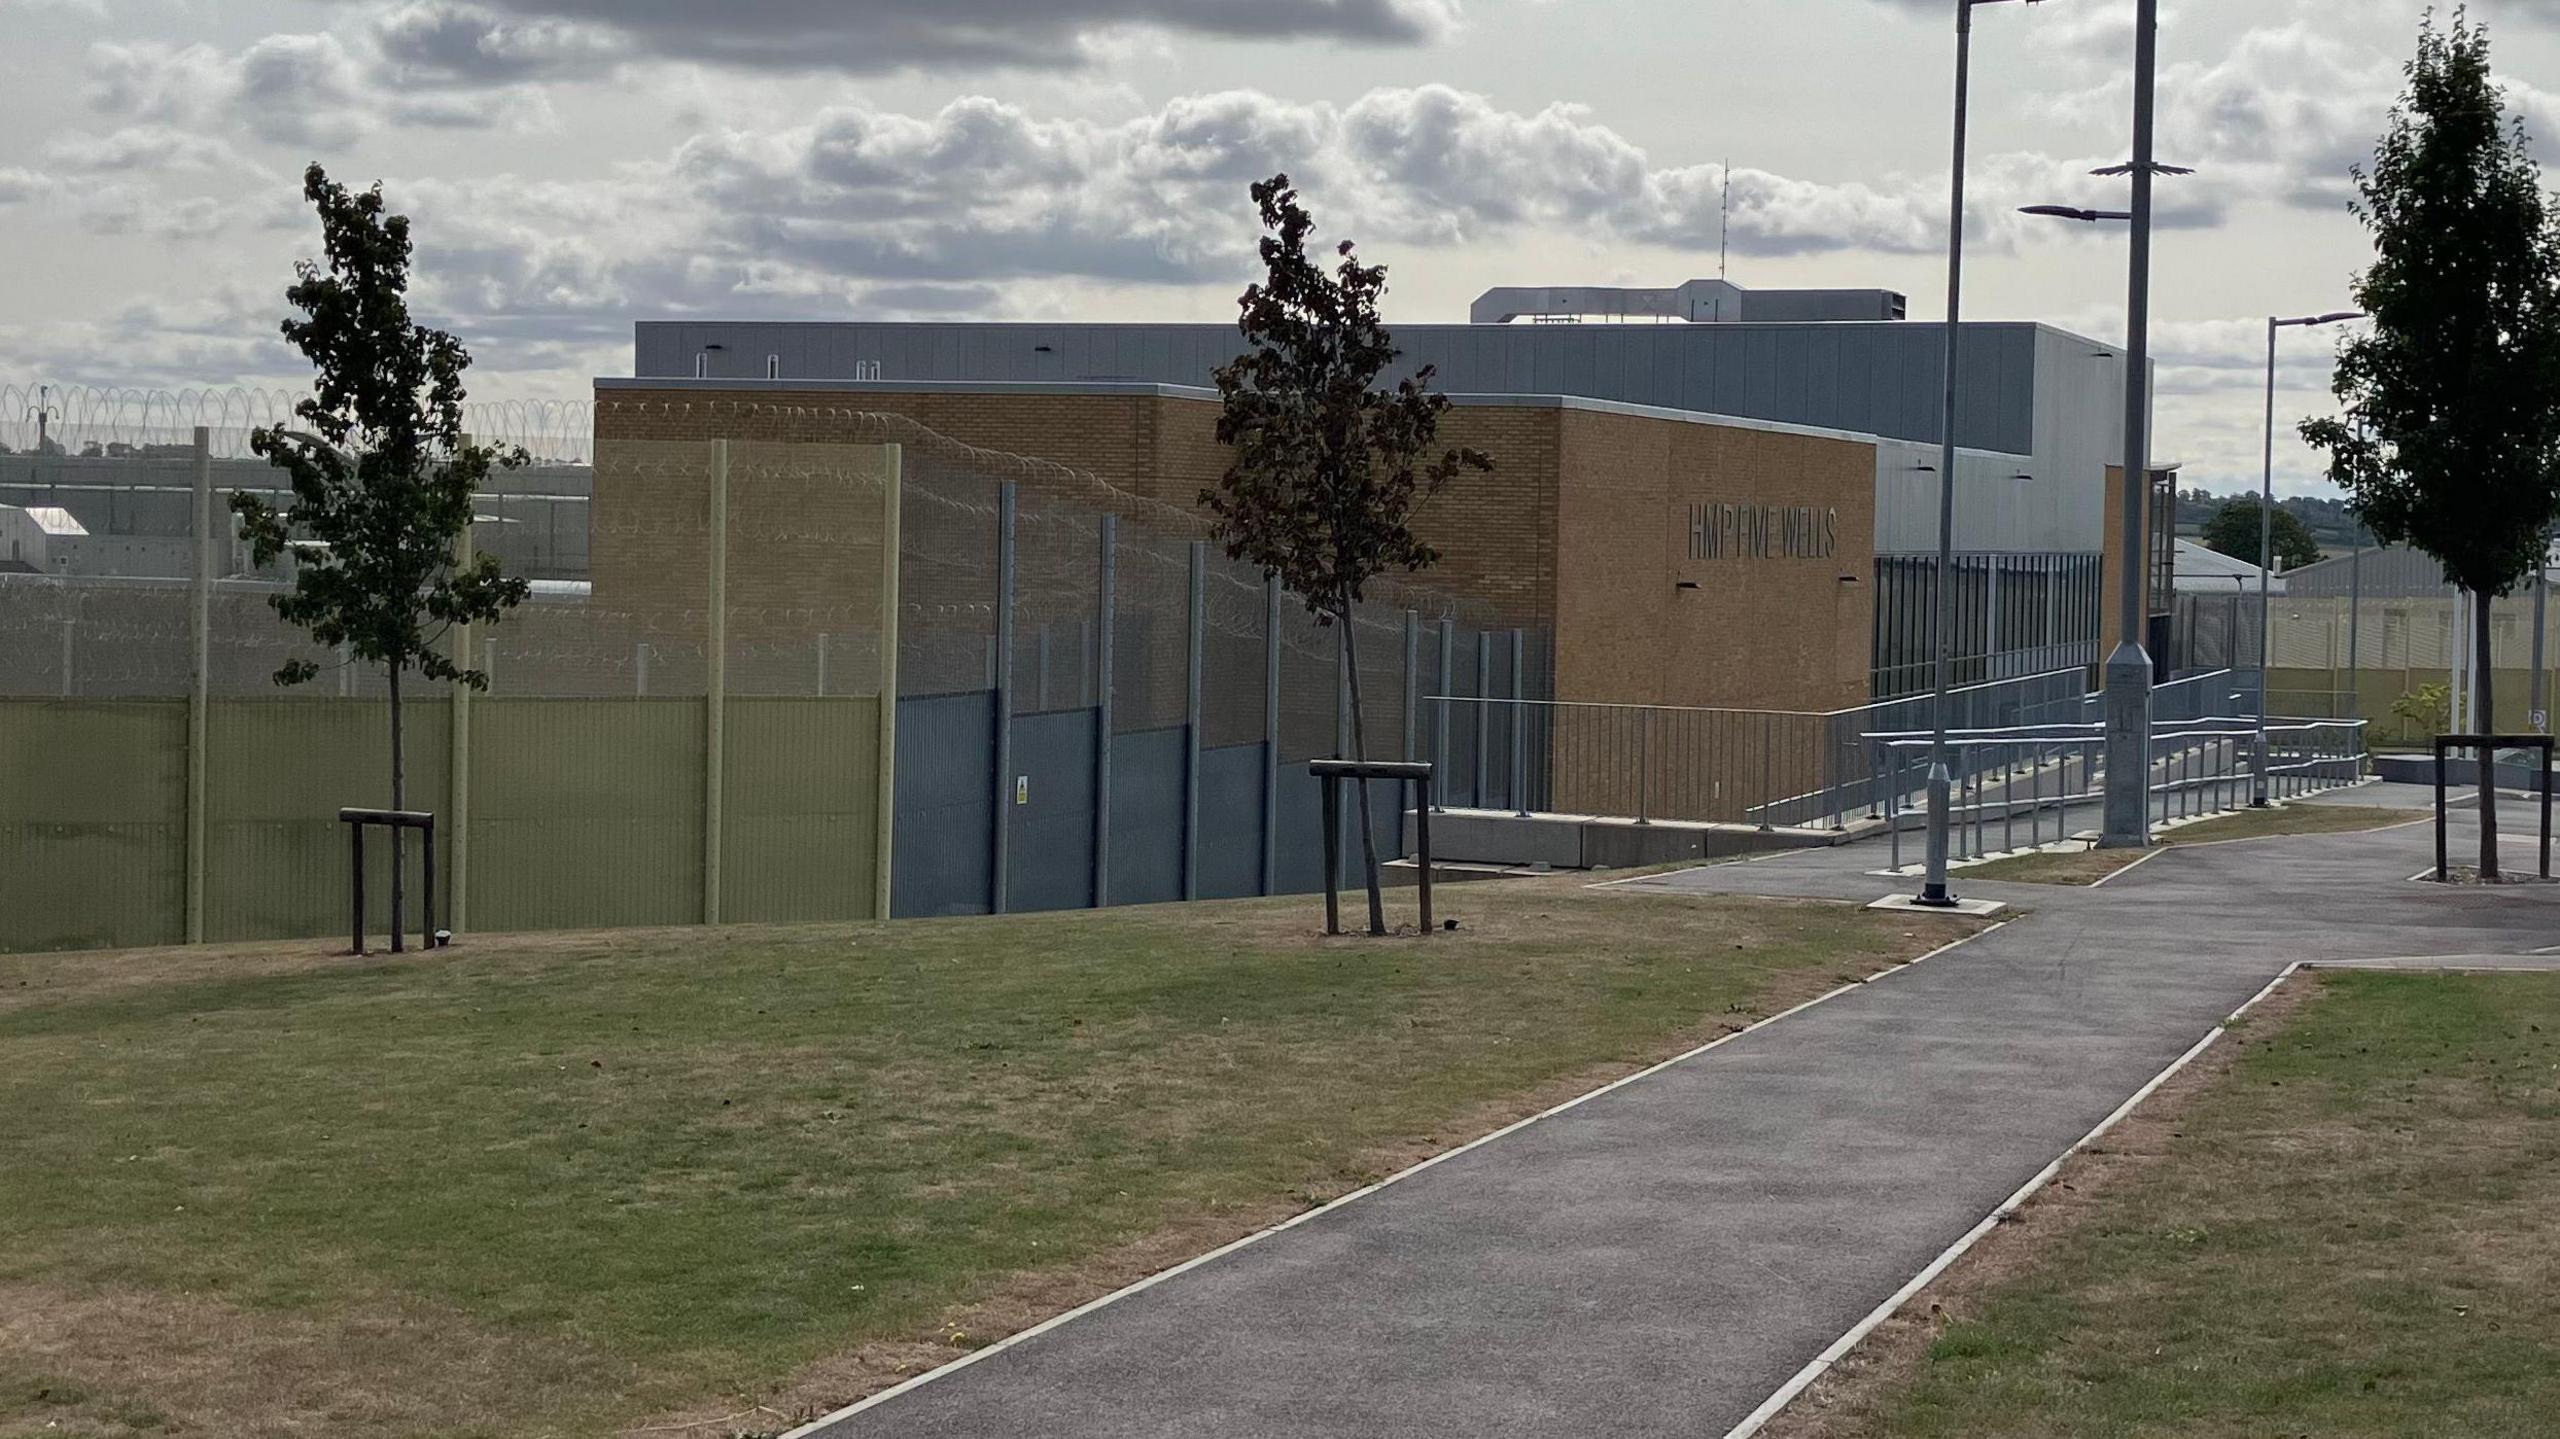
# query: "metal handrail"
1745,710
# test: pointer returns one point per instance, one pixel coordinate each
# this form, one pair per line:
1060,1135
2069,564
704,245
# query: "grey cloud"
496,40
288,89
300,90
982,189
462,44
892,301
136,149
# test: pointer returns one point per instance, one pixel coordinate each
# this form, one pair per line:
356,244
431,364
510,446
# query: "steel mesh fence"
748,572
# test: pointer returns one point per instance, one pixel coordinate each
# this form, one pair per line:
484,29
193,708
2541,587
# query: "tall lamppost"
2127,823
2267,538
1933,887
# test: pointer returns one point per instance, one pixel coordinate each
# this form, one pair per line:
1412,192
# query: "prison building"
1705,496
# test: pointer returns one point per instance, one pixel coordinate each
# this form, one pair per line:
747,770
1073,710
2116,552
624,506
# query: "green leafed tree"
2451,437
2233,531
381,473
1330,466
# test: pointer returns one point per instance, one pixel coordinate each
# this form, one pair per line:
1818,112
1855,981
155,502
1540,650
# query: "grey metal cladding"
1872,378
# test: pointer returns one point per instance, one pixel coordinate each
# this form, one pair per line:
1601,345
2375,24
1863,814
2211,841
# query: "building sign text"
1762,532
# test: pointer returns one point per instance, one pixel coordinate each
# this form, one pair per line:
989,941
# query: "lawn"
577,1184
2345,1232
2088,866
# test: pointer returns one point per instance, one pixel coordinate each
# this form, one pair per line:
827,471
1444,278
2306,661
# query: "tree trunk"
399,793
1360,752
2484,720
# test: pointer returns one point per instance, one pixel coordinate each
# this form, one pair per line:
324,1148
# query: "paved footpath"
1661,1259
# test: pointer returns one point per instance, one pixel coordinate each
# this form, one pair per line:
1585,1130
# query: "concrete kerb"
2148,855
817,1427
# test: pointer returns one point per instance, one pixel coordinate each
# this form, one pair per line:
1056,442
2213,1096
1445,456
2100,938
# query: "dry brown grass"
121,1361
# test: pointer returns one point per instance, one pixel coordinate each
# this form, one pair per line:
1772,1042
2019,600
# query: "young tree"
381,474
1329,468
2233,531
2451,441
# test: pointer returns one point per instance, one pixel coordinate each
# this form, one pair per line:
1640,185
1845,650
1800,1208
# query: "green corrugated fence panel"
92,823
585,813
2310,692
278,772
801,828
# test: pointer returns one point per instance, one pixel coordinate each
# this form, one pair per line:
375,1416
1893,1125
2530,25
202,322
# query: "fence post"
457,907
200,690
1342,691
715,683
1199,602
1270,734
998,882
1106,600
1519,731
1768,727
1412,682
1644,766
1440,721
70,628
640,668
1342,716
1484,715
822,664
892,525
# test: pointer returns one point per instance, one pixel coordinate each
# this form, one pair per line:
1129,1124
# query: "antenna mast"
1724,225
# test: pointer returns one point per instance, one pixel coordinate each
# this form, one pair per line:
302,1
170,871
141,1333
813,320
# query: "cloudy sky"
573,165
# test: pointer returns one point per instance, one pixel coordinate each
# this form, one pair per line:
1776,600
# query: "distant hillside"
2327,519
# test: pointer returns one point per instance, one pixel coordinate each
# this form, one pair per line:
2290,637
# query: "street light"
2258,798
2073,212
2127,822
1933,888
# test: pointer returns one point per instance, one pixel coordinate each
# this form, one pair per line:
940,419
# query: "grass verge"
576,1184
2336,1226
2088,866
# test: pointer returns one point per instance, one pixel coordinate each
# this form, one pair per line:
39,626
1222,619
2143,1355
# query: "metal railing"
1768,768
2024,781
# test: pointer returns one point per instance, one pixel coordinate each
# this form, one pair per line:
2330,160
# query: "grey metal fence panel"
1050,806
1146,816
946,810
1231,821
1301,832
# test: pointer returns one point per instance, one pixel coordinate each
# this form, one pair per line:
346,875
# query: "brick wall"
1781,631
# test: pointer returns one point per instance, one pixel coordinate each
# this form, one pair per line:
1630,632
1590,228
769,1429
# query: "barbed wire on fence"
121,419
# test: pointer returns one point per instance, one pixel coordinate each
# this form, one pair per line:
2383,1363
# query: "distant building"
2203,571
1652,449
37,539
